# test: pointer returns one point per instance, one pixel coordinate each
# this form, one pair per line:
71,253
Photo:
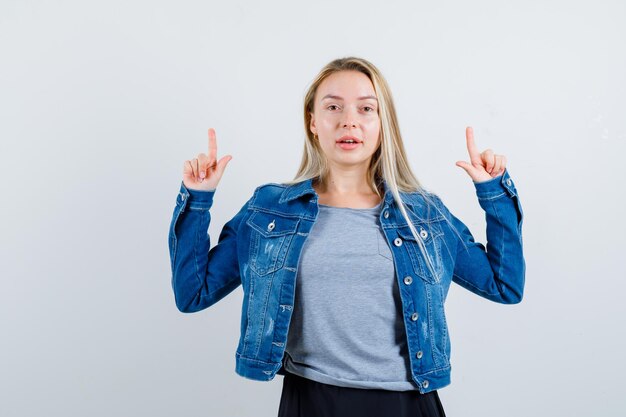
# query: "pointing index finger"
212,146
471,146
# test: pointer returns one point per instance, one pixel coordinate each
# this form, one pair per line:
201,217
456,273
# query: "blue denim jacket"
259,248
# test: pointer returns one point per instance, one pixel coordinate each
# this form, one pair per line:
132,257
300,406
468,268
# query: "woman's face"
346,109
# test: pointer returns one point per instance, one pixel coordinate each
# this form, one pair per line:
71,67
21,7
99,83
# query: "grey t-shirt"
347,328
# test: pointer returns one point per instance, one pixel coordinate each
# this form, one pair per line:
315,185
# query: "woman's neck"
346,191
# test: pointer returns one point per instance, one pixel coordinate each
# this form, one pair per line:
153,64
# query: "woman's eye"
332,105
371,109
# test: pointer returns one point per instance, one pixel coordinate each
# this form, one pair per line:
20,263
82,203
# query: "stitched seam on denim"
175,245
252,250
452,257
445,325
431,326
254,196
474,286
261,331
283,307
392,224
272,211
400,264
518,207
195,256
250,300
439,266
420,219
499,276
416,261
491,197
437,369
421,266
248,359
283,251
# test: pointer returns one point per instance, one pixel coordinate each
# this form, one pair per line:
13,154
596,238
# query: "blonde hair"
389,162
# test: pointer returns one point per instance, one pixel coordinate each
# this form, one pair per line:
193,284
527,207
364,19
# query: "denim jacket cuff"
200,199
496,187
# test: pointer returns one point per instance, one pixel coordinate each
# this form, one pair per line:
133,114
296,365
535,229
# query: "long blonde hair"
389,162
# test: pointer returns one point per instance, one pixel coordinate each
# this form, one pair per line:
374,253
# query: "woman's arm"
201,276
497,272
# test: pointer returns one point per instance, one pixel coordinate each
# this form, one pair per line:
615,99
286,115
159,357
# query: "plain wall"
101,102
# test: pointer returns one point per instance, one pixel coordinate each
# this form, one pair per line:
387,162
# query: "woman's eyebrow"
341,98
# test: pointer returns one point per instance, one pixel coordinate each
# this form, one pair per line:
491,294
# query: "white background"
101,102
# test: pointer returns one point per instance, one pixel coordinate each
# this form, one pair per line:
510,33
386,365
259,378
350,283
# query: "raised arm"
202,276
497,271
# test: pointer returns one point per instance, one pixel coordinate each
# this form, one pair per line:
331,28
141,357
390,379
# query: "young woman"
346,268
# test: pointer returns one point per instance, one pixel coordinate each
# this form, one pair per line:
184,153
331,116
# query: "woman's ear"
312,124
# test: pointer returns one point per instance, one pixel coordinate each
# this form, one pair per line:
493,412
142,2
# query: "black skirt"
302,397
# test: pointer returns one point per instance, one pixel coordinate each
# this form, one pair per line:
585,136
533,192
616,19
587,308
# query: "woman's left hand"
482,166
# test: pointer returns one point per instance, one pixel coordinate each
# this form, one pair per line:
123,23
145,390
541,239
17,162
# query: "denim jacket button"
397,241
508,182
419,355
386,214
271,226
408,280
425,384
423,233
414,316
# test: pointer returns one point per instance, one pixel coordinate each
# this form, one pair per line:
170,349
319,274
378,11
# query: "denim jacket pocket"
431,235
270,239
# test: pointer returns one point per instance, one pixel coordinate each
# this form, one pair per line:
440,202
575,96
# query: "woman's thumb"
467,167
221,164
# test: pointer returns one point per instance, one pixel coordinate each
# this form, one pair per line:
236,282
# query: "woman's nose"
349,119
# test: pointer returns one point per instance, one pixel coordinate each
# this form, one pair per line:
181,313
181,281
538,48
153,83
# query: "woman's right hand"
203,173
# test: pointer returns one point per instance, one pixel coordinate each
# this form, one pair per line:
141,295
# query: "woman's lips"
348,142
348,146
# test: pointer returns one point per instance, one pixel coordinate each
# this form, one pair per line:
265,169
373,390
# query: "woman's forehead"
346,85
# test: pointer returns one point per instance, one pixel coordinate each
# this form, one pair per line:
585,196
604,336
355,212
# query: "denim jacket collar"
297,190
305,187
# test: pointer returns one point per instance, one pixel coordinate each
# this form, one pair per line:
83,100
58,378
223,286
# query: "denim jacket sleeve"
201,275
496,273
